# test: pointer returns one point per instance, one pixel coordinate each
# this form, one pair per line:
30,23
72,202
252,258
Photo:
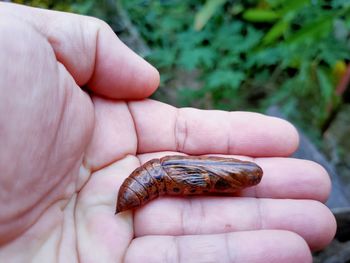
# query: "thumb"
91,52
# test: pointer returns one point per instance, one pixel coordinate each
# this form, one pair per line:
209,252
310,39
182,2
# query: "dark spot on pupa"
192,191
221,184
176,190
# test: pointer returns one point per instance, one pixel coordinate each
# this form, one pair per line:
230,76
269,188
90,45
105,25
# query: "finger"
114,134
282,178
292,178
210,215
253,247
161,127
91,52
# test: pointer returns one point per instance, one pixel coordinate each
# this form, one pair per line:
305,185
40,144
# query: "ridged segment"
186,175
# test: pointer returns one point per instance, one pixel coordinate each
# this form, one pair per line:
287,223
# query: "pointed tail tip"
117,210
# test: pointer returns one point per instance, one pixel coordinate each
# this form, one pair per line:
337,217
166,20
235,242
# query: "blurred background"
284,58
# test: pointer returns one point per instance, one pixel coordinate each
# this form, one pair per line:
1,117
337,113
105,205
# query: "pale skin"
65,152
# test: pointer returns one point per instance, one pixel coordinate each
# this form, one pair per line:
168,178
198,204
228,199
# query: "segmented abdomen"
186,175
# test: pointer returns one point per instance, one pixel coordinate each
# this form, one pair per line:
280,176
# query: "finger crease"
134,124
230,256
260,221
177,256
182,220
256,188
228,148
180,132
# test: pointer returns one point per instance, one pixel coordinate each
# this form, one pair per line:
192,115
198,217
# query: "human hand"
64,154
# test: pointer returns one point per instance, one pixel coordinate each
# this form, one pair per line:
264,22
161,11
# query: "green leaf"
238,42
228,61
261,15
293,6
333,50
304,81
265,57
163,57
82,7
207,11
191,39
225,78
276,31
312,31
340,3
193,58
326,85
251,39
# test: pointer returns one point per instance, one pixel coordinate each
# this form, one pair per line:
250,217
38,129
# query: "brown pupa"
186,175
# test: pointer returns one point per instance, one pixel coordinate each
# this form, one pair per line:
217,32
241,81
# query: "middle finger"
213,215
283,177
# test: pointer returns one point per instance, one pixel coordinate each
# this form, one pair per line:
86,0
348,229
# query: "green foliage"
104,9
207,12
244,54
260,15
250,54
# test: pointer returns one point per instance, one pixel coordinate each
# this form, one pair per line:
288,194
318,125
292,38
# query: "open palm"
64,153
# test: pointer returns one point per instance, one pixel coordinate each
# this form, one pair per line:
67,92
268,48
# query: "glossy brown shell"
186,175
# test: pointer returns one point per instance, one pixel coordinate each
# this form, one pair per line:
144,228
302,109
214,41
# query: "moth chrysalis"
186,175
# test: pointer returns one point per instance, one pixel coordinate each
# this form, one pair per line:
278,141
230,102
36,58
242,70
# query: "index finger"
161,127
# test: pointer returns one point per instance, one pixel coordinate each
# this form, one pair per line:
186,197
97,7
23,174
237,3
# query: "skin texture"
65,153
